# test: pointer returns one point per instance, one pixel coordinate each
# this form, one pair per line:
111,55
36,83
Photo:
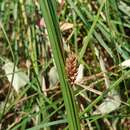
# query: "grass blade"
56,44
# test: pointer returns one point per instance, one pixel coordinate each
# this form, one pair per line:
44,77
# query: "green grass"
54,34
35,46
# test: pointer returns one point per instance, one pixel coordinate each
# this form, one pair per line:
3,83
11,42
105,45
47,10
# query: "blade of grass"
92,28
91,31
56,44
115,84
48,124
7,39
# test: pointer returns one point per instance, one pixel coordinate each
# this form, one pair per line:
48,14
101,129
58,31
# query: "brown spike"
71,67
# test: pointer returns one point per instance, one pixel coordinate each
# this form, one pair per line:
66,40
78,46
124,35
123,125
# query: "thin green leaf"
54,34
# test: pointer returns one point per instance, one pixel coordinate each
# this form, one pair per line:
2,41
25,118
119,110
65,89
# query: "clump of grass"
31,38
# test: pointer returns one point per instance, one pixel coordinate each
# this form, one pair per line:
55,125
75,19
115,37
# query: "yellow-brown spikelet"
71,67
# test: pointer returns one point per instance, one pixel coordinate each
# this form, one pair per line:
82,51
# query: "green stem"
54,34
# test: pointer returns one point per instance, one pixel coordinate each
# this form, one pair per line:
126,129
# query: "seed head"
71,67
